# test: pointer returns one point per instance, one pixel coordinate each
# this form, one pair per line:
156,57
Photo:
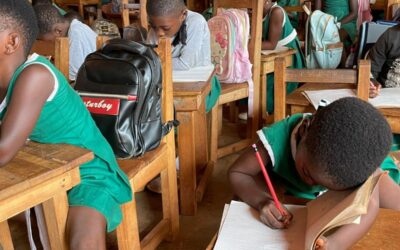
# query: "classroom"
199,124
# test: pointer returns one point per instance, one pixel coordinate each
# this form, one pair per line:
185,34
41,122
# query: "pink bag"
364,12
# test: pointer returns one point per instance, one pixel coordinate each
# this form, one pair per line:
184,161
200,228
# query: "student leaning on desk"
337,148
39,104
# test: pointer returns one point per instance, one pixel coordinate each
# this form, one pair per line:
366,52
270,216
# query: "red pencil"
269,183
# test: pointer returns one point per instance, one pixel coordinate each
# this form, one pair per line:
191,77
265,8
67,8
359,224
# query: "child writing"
279,32
337,148
82,39
38,103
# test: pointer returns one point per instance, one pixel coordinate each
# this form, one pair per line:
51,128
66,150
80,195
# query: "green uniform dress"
294,16
65,119
340,9
277,141
288,39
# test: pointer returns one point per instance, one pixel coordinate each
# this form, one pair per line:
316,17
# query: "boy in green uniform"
337,148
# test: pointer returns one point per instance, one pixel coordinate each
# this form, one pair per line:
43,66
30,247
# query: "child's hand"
321,243
374,88
270,216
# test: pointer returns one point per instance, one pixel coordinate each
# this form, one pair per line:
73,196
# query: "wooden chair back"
359,77
302,16
142,9
57,51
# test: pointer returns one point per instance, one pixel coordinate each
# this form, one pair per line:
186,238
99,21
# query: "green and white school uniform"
278,140
341,9
65,119
288,39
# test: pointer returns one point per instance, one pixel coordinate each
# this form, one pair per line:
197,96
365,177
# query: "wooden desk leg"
5,236
187,162
263,96
55,213
201,143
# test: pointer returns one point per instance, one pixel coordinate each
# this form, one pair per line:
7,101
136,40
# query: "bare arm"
243,176
353,5
275,29
31,90
318,4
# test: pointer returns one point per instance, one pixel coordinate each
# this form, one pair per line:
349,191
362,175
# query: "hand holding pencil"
272,212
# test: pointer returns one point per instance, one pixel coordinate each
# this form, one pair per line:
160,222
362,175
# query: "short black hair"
19,15
164,7
349,139
35,2
47,16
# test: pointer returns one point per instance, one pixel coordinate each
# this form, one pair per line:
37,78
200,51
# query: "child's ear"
13,42
58,30
183,15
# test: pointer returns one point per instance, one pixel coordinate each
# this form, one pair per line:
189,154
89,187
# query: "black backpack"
121,86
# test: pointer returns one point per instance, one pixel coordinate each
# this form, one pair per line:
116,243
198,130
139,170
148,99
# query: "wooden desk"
298,103
40,174
189,100
384,233
267,66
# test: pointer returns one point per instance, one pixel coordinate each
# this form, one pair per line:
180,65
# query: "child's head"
51,23
267,6
343,144
166,16
18,28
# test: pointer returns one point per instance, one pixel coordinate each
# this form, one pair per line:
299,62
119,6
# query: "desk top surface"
36,163
272,56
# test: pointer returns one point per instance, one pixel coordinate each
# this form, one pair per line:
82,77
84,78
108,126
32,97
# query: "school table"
40,174
189,101
267,67
298,103
384,233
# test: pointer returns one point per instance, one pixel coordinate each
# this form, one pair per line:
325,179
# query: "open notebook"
241,228
387,98
197,74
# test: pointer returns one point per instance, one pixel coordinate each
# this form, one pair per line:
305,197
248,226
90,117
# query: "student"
293,16
337,148
383,57
190,37
39,2
37,103
346,12
82,39
279,32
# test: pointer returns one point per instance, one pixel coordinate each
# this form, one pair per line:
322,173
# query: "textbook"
241,228
387,98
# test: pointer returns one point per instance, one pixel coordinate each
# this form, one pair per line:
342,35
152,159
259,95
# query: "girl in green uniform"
279,32
38,103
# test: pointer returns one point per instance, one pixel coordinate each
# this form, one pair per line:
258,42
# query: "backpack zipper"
125,97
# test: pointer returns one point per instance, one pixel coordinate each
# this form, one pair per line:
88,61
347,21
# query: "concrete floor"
195,231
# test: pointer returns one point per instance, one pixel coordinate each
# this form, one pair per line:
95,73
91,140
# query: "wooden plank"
187,162
280,89
191,88
205,178
156,235
236,4
5,237
319,75
128,230
235,147
37,194
55,212
232,93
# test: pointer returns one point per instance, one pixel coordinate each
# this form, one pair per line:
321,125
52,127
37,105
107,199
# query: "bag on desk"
121,86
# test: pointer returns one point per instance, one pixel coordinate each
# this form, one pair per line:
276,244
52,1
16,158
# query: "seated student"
190,37
38,2
346,12
293,16
82,39
279,32
37,103
337,148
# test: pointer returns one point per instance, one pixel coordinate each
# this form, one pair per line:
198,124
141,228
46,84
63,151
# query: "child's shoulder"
194,17
79,28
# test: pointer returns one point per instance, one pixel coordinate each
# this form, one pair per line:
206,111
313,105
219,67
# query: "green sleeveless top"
288,39
65,119
340,9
